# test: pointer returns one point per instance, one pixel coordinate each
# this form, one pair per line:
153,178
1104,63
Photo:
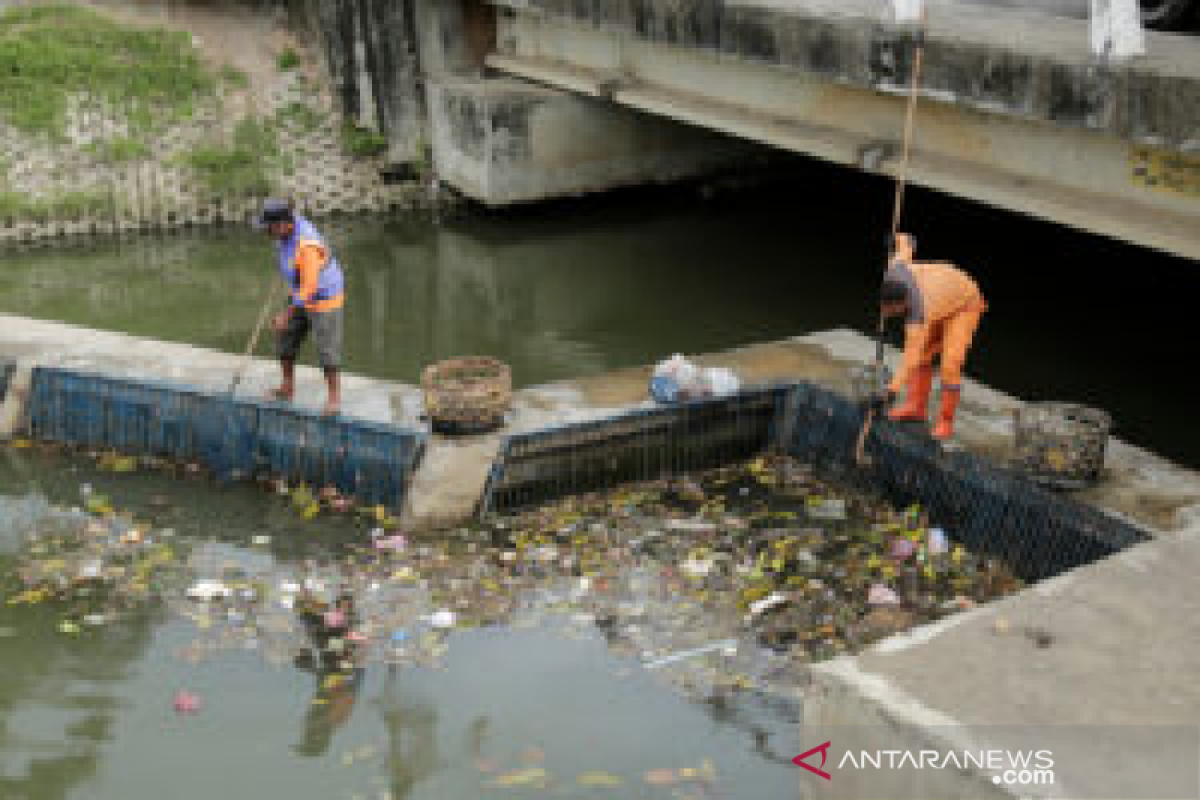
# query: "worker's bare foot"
283,393
332,408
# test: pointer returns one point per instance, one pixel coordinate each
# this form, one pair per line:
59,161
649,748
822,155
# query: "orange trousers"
951,337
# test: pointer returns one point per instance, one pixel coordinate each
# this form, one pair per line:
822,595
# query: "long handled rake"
897,209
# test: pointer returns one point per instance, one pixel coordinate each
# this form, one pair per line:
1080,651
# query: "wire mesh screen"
987,508
640,445
233,438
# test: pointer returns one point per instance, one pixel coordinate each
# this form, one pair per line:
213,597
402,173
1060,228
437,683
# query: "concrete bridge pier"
503,140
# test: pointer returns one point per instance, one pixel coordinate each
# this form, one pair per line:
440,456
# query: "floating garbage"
698,651
185,702
206,591
443,618
601,780
882,596
716,581
767,603
938,544
678,379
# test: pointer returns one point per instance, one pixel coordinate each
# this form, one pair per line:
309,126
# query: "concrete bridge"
1015,110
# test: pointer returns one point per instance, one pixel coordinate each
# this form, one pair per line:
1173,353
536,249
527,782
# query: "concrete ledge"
1159,495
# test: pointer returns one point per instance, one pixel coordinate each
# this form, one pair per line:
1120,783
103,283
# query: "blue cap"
274,210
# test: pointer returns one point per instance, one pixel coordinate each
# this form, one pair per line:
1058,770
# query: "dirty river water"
645,641
541,706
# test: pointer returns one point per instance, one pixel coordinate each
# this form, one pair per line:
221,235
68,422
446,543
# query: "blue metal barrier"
235,438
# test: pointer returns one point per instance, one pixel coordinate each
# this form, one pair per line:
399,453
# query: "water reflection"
554,300
59,699
412,741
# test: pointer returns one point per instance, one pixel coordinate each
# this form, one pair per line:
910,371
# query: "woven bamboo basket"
467,395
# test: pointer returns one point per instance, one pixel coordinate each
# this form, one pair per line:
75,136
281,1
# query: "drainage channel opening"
986,508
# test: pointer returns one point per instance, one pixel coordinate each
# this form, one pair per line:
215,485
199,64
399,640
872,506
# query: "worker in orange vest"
317,295
941,306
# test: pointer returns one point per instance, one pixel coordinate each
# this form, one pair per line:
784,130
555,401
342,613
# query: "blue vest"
331,284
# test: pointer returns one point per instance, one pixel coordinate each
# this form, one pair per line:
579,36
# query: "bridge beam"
1093,175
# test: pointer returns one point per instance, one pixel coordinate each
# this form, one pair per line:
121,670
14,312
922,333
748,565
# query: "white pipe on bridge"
1116,25
908,10
1117,29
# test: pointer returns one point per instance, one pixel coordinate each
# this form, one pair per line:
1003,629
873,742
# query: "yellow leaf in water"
887,571
777,565
331,681
534,776
599,779
661,777
380,514
313,509
122,463
68,627
320,701
22,444
301,496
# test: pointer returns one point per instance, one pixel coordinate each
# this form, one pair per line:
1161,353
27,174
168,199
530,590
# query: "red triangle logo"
823,749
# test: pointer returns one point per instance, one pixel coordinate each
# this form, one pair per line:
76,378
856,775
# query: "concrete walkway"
1152,491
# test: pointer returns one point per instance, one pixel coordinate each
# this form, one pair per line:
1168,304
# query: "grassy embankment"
150,79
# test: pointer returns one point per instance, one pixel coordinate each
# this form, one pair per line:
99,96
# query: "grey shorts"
326,328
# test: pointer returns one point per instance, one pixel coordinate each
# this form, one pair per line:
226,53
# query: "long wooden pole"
252,344
897,210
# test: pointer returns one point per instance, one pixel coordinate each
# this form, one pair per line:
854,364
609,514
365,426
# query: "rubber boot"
944,428
916,397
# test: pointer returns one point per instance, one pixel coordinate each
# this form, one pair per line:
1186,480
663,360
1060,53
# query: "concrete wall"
372,56
502,141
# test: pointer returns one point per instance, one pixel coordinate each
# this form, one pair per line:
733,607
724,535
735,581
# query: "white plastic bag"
677,368
720,381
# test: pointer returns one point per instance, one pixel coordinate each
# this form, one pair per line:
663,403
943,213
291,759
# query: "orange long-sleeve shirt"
936,291
310,258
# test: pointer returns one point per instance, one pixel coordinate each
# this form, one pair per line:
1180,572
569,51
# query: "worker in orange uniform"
317,295
942,307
